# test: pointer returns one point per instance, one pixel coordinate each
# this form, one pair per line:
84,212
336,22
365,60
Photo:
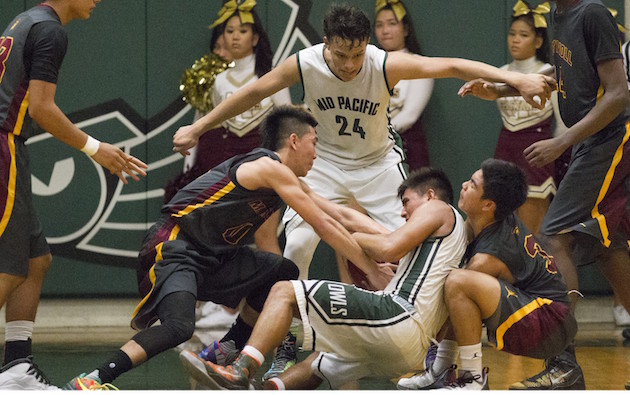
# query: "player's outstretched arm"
44,111
267,173
351,219
284,75
433,218
401,66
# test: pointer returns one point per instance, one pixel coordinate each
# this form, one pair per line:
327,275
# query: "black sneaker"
286,356
559,374
626,333
468,381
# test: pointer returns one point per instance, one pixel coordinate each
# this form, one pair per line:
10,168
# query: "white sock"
254,353
278,383
18,330
470,359
446,355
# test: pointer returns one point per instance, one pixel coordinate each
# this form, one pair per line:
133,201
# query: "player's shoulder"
267,167
440,205
437,209
49,31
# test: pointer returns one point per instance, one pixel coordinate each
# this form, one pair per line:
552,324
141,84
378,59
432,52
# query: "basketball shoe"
23,374
429,379
560,373
286,356
468,381
87,382
220,353
430,357
232,377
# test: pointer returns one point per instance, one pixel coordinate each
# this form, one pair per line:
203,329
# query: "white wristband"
91,146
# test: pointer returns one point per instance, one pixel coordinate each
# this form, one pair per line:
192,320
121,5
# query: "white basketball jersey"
421,274
353,130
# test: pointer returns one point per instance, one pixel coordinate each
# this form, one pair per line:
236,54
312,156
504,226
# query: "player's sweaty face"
346,57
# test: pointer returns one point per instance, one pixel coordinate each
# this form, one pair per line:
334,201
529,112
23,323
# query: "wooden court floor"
63,354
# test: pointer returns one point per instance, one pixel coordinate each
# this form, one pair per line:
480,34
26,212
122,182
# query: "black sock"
117,364
16,349
239,332
569,351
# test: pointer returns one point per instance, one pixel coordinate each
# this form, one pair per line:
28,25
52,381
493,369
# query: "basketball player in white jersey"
361,333
347,84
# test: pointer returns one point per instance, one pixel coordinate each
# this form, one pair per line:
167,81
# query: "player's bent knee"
456,281
181,330
283,291
10,282
40,265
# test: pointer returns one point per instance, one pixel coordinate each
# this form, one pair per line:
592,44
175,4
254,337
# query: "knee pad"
162,337
181,330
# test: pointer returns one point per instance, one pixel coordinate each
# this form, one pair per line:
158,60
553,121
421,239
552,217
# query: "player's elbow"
389,252
39,111
620,100
35,111
624,98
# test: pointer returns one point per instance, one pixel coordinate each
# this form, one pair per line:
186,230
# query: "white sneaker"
428,379
23,374
622,318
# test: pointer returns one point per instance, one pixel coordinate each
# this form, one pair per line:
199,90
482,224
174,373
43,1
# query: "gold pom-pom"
196,84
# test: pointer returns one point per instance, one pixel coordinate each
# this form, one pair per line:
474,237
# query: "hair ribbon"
244,8
538,13
397,7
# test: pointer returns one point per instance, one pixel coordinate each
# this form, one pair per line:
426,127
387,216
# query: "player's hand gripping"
184,139
480,88
535,88
383,274
117,162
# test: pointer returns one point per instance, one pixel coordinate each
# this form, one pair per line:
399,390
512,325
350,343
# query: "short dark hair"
426,178
505,184
281,122
346,22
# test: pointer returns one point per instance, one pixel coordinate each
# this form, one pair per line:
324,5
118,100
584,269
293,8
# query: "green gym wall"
119,82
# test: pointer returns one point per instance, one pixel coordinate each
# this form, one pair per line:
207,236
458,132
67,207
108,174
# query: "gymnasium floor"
74,336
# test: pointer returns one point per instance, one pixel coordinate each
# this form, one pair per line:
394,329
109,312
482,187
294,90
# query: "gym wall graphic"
119,82
88,214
